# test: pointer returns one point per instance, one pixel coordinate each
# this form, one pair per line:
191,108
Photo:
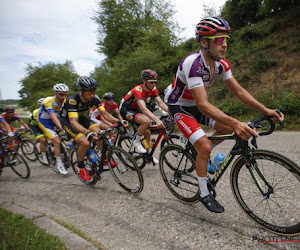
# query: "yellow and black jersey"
73,106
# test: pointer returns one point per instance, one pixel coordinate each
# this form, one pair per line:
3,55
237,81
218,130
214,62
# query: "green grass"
18,232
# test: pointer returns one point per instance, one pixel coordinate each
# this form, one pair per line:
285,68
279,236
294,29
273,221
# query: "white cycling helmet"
60,87
40,101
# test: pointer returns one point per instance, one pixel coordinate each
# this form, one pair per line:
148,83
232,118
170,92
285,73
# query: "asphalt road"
154,219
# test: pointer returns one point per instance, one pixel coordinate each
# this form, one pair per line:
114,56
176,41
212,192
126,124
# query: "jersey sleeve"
192,71
97,101
226,70
48,105
114,106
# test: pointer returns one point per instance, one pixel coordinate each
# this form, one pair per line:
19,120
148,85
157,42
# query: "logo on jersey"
72,102
139,88
129,116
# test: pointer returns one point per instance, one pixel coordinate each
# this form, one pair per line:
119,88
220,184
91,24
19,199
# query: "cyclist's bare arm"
24,124
244,96
206,108
54,118
147,112
107,117
161,104
106,121
118,114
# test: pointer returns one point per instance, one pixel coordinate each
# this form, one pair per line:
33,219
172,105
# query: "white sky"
43,31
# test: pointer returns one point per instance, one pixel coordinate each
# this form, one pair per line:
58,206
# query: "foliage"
40,80
17,232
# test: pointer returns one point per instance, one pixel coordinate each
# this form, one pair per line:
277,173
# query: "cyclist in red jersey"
189,104
133,107
9,116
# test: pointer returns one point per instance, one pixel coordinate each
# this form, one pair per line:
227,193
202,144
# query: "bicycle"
11,158
126,142
265,184
124,170
64,152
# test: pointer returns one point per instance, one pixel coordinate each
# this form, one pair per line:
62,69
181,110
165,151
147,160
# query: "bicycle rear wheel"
278,210
177,169
125,172
28,149
17,164
125,143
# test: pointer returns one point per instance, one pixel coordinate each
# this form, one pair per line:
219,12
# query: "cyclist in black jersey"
82,129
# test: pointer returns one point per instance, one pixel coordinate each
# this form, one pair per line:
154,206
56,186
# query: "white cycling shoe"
139,148
62,169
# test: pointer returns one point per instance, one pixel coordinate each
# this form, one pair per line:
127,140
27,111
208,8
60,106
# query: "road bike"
126,142
120,163
12,159
265,184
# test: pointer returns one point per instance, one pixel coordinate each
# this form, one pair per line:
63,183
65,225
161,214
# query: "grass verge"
18,232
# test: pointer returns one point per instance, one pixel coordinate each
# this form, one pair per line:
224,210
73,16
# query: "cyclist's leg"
187,121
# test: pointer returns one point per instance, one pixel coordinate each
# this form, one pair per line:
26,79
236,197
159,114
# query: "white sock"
203,186
59,161
138,138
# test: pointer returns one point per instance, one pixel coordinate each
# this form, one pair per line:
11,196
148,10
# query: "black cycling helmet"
109,95
10,109
148,74
87,83
211,25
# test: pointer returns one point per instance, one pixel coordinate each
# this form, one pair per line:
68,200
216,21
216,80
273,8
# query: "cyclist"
133,107
49,120
82,129
33,120
10,116
189,104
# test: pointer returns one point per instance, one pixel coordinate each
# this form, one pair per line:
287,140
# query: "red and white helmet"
211,25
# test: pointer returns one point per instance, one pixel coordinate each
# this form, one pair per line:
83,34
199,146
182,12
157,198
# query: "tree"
39,81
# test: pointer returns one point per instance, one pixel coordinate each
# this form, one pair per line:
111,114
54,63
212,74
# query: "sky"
42,31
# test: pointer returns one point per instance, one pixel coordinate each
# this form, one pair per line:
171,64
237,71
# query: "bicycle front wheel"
28,149
17,164
125,170
268,191
177,169
51,157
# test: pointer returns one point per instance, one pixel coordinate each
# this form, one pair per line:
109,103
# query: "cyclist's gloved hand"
10,134
124,123
90,135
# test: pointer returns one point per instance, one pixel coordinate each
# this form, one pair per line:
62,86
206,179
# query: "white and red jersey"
95,113
194,72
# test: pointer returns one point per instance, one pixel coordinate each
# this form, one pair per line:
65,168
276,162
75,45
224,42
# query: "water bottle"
110,142
92,155
69,143
145,144
212,167
151,143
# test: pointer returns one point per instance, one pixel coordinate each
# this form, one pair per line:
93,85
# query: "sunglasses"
152,81
218,40
63,94
90,92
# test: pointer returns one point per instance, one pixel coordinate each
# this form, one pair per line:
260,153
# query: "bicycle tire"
278,212
177,169
73,161
125,143
38,153
126,172
18,164
51,157
28,149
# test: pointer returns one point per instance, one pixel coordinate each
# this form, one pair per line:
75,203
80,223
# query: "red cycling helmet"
210,26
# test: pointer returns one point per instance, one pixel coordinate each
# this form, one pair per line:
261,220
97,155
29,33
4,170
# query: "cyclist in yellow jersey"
82,129
33,120
48,119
